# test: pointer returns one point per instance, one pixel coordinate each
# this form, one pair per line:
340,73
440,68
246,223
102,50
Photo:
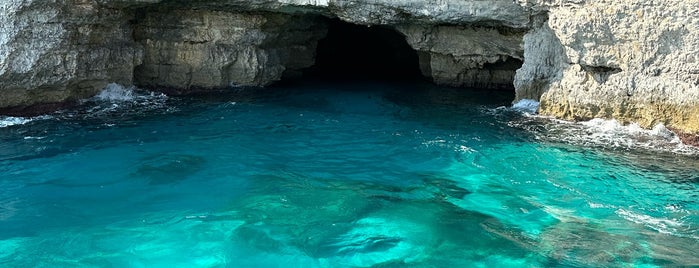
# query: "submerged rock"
363,224
168,168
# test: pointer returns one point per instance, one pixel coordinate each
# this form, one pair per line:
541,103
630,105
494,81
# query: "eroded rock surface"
57,52
60,51
635,61
467,56
186,49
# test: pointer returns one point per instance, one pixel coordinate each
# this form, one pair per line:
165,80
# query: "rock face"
467,56
56,52
636,61
215,49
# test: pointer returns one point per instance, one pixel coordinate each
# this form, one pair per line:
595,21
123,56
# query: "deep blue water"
319,175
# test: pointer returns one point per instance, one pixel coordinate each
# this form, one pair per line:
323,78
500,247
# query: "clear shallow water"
362,175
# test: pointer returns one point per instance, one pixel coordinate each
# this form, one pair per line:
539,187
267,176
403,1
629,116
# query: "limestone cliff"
636,61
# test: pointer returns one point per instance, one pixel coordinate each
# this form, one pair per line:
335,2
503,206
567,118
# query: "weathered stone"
369,12
213,49
467,56
634,61
492,13
56,51
53,52
544,61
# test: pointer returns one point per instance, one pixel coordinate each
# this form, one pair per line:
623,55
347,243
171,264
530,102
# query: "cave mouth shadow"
351,52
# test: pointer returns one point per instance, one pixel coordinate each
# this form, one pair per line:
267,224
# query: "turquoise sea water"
367,174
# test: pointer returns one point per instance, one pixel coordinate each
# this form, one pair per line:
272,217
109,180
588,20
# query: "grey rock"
185,49
467,56
56,52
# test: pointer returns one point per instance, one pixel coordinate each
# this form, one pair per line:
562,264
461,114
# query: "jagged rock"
57,52
634,61
544,61
435,12
369,12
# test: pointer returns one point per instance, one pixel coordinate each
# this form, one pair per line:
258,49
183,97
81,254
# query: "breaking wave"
11,121
8,121
114,92
113,100
601,133
526,106
118,98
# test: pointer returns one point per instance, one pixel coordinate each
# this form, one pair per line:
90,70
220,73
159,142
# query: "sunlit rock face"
636,61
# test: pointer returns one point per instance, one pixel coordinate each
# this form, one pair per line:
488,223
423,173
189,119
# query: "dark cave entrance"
351,51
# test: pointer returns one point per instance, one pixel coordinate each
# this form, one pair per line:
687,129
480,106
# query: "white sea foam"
116,92
114,99
7,121
597,132
118,98
604,133
526,106
632,136
11,121
662,225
